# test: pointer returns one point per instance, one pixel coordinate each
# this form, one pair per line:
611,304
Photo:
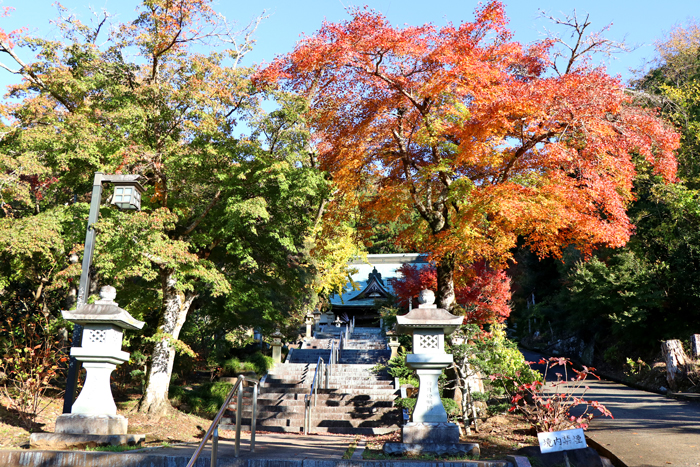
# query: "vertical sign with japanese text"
556,441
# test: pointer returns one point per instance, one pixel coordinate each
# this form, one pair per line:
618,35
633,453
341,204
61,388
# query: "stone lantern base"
78,431
434,449
92,424
438,439
63,441
435,433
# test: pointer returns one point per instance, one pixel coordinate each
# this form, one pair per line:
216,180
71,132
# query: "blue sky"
641,22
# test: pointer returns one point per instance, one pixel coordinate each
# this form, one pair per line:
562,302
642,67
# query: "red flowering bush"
547,405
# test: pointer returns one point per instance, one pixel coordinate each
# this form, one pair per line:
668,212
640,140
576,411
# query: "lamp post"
127,195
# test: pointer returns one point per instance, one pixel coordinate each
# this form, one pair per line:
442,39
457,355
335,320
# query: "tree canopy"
473,132
233,196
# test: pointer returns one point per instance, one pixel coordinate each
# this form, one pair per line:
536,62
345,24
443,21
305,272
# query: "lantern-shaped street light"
127,196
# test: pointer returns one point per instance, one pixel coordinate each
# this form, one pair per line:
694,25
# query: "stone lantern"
276,346
429,430
393,343
94,411
317,318
309,321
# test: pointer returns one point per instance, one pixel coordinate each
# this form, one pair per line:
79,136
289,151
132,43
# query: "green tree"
227,218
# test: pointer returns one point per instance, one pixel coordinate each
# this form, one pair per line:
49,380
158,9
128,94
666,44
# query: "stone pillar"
96,397
429,408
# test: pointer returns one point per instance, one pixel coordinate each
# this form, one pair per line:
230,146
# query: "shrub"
451,407
204,400
256,363
547,406
31,355
397,368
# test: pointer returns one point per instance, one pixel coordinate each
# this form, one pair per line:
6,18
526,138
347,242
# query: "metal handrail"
213,431
311,396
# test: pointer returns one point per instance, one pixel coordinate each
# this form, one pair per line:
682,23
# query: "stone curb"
605,452
684,396
109,459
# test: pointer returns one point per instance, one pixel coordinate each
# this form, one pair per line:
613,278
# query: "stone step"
319,416
332,430
330,399
338,368
320,410
358,397
351,377
315,422
346,404
345,353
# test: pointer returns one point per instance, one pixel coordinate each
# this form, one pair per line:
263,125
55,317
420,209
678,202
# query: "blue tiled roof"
386,265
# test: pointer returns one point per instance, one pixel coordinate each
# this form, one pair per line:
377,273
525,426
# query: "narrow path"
648,429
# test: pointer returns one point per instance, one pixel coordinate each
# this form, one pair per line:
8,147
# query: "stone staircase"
359,399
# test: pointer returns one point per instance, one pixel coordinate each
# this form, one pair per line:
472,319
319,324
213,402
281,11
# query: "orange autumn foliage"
468,129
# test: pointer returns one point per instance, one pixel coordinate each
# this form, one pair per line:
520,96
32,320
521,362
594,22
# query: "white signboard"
556,441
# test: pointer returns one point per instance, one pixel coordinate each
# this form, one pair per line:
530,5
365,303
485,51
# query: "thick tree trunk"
445,282
175,308
676,362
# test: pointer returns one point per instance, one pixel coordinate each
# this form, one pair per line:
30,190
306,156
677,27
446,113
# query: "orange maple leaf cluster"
468,129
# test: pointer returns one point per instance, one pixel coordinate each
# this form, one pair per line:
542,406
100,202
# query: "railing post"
254,418
214,446
315,382
213,431
239,416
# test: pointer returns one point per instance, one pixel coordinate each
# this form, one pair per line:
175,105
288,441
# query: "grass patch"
378,454
351,449
119,448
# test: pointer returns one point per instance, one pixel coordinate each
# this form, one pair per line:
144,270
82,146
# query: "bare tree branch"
582,44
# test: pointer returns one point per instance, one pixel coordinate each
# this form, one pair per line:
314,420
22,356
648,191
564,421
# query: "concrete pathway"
271,450
648,429
268,446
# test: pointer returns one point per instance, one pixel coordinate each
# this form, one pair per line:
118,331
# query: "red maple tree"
472,132
484,293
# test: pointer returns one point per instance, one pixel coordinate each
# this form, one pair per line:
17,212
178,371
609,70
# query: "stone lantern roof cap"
428,316
103,311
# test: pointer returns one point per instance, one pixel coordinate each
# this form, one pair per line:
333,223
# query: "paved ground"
268,446
648,429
